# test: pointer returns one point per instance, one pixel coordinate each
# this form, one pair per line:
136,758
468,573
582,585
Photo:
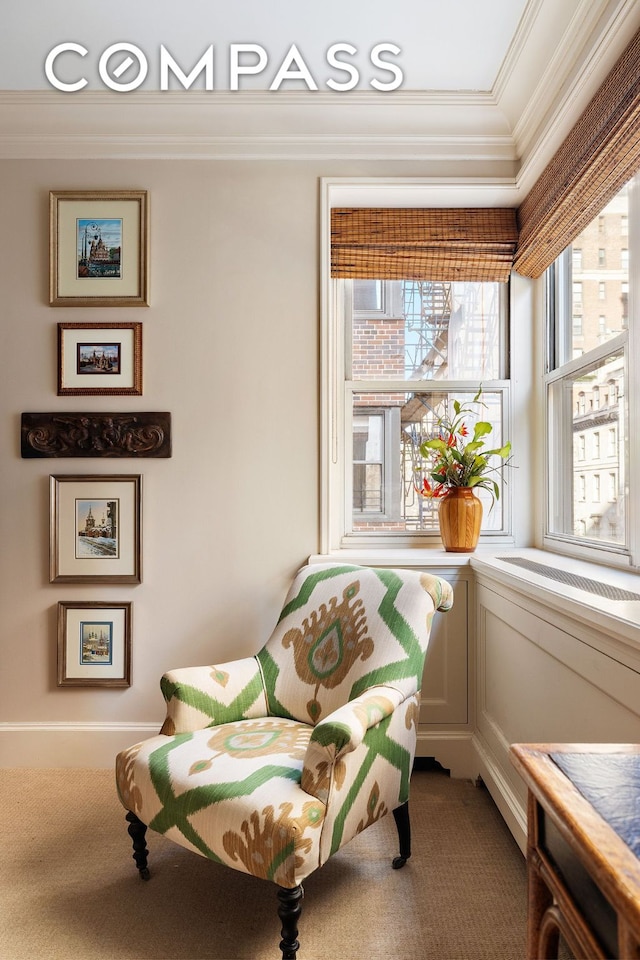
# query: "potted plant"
460,464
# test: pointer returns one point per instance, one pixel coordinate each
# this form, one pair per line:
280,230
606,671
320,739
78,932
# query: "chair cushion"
344,629
231,793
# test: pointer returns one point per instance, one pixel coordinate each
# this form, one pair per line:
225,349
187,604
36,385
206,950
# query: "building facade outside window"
590,385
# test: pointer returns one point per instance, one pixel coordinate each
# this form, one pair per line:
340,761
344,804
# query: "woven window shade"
423,244
601,153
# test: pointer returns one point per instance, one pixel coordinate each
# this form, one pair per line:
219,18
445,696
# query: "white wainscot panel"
537,683
444,731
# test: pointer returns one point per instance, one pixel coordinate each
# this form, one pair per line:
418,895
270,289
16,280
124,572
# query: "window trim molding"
359,191
583,548
628,342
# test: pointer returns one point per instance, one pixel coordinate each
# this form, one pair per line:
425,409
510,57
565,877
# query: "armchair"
270,764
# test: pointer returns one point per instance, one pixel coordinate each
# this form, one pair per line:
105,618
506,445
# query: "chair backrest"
344,629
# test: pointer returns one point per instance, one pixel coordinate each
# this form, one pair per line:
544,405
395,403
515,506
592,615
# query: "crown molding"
310,147
405,125
544,93
548,119
548,116
518,44
255,98
471,128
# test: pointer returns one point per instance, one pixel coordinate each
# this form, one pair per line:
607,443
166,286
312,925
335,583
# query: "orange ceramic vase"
460,516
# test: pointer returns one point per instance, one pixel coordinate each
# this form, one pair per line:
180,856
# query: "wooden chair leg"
289,909
401,816
137,830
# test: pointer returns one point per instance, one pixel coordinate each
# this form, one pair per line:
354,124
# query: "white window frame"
557,439
335,423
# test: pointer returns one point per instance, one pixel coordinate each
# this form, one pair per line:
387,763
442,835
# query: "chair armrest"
441,591
342,731
199,697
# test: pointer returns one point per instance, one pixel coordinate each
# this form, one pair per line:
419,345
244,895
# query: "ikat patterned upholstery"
270,764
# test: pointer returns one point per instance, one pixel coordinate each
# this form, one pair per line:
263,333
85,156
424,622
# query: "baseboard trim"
57,744
453,751
507,802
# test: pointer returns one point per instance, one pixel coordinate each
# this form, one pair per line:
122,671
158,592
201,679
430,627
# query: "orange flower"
437,490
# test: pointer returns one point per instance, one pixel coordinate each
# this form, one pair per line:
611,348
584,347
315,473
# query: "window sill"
398,556
618,619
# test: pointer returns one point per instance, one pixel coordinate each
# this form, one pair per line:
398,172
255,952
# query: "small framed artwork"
96,359
98,248
95,530
94,643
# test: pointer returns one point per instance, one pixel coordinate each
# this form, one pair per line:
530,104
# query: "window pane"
423,330
368,442
584,409
600,275
406,420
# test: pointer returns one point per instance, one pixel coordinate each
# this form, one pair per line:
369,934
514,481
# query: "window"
415,316
588,394
368,460
577,294
410,349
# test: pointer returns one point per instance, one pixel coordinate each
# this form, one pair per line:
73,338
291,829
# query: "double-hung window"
591,384
405,351
415,318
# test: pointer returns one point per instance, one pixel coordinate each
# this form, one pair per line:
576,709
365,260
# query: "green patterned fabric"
271,763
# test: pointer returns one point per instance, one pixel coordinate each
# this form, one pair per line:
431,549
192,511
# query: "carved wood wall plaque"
95,435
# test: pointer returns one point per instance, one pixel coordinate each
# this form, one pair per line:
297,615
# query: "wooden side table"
582,848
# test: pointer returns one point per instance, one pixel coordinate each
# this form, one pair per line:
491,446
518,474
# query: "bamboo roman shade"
601,153
423,244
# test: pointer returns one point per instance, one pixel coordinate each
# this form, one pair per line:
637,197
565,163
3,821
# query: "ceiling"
457,45
489,87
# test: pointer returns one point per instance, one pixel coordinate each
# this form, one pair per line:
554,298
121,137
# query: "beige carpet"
69,888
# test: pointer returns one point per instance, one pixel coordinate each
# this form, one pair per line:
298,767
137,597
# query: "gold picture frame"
94,643
95,529
99,359
99,248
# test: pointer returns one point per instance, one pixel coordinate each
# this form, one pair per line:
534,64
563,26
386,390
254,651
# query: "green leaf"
481,429
499,451
436,444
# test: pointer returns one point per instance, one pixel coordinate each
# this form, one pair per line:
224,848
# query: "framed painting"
98,248
96,359
95,530
94,643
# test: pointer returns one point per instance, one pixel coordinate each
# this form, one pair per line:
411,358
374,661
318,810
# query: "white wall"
230,348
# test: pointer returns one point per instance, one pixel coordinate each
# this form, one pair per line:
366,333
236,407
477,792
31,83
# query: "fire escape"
443,340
